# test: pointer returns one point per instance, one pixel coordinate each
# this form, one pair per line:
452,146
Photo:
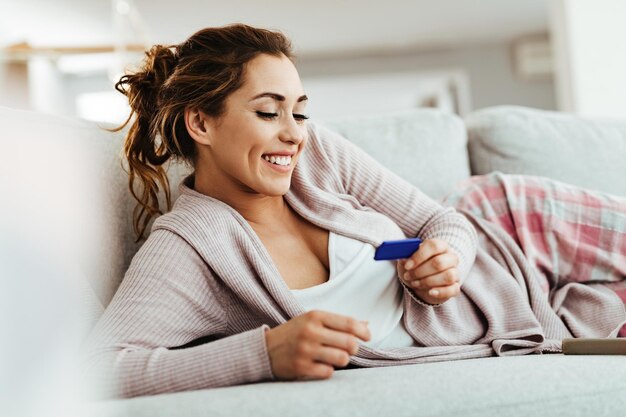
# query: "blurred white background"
355,57
62,56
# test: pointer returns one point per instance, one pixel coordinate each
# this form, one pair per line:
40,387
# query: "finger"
346,324
436,264
332,356
401,262
440,279
339,340
445,292
428,249
318,371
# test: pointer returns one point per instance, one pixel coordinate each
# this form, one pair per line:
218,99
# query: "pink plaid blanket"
569,234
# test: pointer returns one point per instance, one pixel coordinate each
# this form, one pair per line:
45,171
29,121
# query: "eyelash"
269,116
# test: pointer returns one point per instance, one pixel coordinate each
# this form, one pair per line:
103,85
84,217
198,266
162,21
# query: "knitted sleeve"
166,300
375,186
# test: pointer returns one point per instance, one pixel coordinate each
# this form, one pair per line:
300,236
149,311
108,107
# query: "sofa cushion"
533,385
427,147
518,140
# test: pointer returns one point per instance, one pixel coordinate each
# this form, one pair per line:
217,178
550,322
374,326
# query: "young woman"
264,267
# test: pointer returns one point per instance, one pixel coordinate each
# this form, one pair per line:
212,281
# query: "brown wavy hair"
199,73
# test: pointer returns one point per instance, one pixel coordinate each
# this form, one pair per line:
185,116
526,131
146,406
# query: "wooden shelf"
23,51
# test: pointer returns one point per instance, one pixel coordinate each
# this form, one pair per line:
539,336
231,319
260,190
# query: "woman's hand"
308,346
432,272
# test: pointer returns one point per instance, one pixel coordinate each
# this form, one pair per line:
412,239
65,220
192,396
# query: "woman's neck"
262,212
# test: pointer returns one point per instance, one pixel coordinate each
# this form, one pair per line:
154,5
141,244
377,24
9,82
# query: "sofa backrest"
427,147
589,153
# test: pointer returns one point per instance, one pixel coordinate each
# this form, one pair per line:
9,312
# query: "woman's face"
256,143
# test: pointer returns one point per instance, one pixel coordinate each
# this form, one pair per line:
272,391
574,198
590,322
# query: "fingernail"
434,293
409,264
406,276
416,284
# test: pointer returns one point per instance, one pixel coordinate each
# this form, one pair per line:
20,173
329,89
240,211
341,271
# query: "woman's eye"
271,116
265,115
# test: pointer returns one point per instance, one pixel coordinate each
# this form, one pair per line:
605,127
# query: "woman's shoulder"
326,146
329,144
320,136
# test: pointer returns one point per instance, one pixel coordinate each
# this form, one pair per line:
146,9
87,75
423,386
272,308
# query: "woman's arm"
416,214
161,305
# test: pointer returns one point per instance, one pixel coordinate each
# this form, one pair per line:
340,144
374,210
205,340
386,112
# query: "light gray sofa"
70,170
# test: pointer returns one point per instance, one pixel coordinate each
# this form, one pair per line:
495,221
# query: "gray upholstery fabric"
517,140
544,385
80,164
424,146
69,169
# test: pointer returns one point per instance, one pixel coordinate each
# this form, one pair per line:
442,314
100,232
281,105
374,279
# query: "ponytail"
144,149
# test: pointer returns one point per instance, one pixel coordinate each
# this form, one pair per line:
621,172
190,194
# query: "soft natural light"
105,106
122,7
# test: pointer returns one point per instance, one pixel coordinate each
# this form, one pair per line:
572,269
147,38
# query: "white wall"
47,87
335,96
486,70
489,68
590,56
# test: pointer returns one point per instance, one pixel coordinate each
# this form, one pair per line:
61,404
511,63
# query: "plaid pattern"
569,234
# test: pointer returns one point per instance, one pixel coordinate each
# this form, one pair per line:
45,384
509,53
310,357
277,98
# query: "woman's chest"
302,258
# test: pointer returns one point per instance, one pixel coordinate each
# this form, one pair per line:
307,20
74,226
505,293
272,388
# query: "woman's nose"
293,132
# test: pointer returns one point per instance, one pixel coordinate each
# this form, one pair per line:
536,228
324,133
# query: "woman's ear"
199,125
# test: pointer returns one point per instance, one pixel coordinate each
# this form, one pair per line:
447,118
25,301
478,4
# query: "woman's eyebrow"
277,97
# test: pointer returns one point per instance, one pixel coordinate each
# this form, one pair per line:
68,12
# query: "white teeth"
278,160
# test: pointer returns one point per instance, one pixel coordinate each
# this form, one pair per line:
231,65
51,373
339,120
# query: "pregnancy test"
397,249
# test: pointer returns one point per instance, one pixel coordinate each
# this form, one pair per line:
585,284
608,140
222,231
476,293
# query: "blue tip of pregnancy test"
397,249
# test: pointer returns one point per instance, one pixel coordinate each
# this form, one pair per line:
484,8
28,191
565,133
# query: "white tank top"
362,288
